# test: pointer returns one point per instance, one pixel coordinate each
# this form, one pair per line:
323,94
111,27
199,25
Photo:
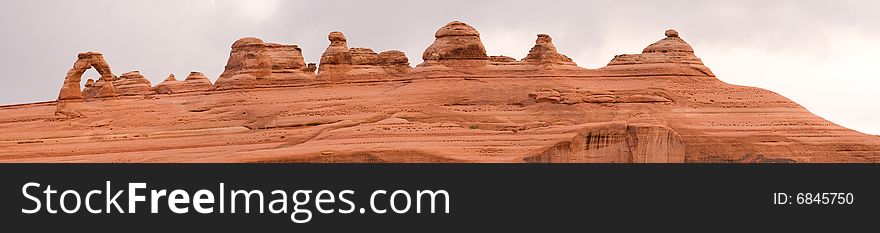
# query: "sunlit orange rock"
461,105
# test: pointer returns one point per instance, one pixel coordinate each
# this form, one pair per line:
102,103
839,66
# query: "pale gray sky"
821,54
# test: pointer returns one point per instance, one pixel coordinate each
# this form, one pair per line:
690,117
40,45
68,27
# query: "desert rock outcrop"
248,56
88,92
70,90
669,56
132,83
195,82
363,56
662,105
394,62
617,142
336,59
544,53
288,67
339,63
254,63
456,44
337,53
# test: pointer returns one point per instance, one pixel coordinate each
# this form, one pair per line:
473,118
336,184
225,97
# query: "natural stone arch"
70,90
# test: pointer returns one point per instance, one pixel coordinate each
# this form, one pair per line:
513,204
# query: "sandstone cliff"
459,105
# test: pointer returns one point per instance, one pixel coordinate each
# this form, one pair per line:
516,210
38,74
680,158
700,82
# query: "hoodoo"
337,53
394,62
456,44
544,53
336,59
669,56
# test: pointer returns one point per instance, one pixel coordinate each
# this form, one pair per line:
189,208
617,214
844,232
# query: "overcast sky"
821,54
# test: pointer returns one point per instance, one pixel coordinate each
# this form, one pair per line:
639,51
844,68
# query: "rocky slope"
459,105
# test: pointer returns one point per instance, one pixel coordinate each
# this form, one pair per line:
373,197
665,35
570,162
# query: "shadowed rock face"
617,142
456,41
337,53
662,105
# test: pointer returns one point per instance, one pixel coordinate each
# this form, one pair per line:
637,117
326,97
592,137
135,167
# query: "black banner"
480,197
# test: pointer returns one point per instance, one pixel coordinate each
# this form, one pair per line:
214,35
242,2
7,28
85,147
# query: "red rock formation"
544,53
70,90
341,64
132,83
393,58
336,59
363,56
195,82
253,63
165,86
669,56
394,62
456,44
249,58
104,88
199,78
662,105
88,92
337,53
617,142
288,67
286,58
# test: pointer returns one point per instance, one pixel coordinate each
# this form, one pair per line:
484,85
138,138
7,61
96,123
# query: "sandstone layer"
132,83
254,63
545,53
461,105
195,82
456,44
340,64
